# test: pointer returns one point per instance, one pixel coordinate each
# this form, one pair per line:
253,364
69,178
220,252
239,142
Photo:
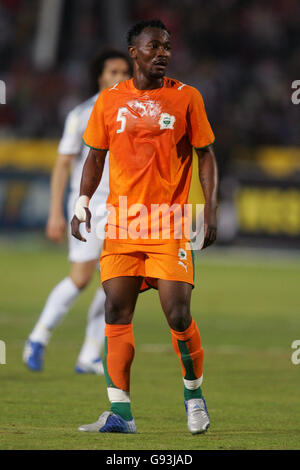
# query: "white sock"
115,395
94,335
57,305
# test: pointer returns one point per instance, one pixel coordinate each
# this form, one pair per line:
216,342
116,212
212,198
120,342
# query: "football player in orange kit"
149,124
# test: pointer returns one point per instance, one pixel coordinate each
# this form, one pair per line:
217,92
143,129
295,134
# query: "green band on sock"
187,361
188,394
122,409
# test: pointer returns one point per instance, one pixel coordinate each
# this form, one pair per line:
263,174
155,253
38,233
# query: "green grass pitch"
247,310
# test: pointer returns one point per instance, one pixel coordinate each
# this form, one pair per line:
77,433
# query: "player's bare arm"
91,176
208,176
56,223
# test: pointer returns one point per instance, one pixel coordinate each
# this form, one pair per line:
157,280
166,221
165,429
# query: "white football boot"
110,422
197,414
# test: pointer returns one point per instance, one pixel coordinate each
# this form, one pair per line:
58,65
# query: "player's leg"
89,357
175,297
57,305
121,296
82,272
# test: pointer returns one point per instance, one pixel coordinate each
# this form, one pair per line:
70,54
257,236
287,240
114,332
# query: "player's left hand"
75,225
210,226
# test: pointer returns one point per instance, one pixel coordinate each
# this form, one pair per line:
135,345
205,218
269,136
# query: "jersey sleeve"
199,130
71,141
96,135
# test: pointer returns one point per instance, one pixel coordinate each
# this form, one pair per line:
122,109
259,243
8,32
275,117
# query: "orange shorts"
170,261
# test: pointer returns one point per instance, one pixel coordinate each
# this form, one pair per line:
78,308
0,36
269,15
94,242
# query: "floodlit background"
244,58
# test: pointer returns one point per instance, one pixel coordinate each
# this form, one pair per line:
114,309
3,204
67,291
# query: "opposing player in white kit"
107,69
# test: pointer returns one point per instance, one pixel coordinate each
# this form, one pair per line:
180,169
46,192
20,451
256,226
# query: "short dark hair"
97,65
136,30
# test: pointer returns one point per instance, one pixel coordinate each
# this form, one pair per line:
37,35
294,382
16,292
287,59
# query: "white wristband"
81,203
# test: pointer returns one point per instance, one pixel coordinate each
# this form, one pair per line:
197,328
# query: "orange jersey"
149,135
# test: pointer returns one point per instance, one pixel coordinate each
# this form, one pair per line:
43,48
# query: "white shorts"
80,252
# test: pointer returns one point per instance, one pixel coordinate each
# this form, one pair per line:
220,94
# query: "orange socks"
187,345
118,356
117,360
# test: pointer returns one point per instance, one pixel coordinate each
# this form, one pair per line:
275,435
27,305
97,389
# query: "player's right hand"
55,229
82,214
75,225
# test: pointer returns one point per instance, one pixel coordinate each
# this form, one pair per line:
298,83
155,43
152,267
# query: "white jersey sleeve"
71,141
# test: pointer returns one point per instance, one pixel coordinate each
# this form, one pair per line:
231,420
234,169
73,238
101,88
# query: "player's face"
114,71
152,52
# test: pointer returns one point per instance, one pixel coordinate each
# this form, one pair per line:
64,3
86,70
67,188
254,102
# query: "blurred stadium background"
243,57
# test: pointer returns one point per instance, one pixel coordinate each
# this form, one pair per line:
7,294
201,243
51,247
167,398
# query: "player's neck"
144,83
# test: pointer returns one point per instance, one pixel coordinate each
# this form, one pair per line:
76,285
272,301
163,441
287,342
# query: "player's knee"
117,314
179,317
81,280
82,273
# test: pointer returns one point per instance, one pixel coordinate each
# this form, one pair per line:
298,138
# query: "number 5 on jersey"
121,118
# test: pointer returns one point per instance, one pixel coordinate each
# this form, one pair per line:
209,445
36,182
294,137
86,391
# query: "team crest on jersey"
182,254
166,121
